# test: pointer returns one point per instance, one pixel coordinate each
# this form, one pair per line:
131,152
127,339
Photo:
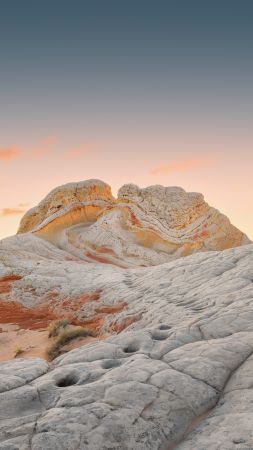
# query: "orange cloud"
6,154
11,212
181,166
43,147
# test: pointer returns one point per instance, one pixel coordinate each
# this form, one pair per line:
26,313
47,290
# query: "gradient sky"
148,92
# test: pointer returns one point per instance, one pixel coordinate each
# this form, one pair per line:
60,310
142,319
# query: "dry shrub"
56,327
18,351
65,336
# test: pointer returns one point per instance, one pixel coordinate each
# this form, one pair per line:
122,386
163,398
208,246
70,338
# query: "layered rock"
180,376
173,361
63,198
142,227
81,223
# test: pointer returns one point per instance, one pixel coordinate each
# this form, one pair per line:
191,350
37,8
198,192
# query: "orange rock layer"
53,308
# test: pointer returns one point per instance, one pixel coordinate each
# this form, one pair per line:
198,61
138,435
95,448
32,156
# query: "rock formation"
172,368
179,377
142,227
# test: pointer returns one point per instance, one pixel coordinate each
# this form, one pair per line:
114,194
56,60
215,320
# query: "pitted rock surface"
179,376
173,364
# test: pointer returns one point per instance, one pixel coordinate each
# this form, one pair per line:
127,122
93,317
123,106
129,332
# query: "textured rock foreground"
173,366
179,377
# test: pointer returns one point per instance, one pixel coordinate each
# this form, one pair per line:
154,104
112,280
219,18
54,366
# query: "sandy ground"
32,342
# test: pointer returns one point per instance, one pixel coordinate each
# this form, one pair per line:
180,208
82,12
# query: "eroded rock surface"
179,376
172,367
142,227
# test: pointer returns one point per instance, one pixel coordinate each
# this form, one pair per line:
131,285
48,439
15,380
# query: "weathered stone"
178,376
142,227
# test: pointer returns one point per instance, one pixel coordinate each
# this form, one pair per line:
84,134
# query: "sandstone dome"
141,227
171,367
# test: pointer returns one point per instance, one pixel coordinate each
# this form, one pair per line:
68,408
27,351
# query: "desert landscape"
126,225
126,323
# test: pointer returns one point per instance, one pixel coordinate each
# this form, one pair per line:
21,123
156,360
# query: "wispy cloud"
12,212
10,153
180,166
47,145
43,147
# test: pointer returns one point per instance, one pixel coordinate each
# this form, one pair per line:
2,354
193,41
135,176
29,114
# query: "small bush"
18,351
56,327
65,337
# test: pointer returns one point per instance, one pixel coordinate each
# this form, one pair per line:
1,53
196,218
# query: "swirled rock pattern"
173,365
142,227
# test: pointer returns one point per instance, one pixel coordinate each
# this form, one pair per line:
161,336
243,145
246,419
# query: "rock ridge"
142,227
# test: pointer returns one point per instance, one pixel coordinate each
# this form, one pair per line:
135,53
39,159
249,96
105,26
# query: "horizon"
22,207
127,92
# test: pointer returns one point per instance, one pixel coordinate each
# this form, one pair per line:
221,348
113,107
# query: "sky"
137,91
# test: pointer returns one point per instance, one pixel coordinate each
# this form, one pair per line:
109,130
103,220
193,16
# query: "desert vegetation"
18,351
63,332
56,327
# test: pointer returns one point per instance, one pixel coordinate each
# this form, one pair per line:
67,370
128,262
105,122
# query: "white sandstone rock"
174,366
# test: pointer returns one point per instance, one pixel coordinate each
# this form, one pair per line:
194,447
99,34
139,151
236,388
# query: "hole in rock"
164,327
239,441
68,380
159,336
110,363
131,348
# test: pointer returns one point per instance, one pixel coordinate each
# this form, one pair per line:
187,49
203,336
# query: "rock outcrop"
142,227
180,376
172,366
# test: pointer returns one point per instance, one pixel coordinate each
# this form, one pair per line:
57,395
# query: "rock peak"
143,226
